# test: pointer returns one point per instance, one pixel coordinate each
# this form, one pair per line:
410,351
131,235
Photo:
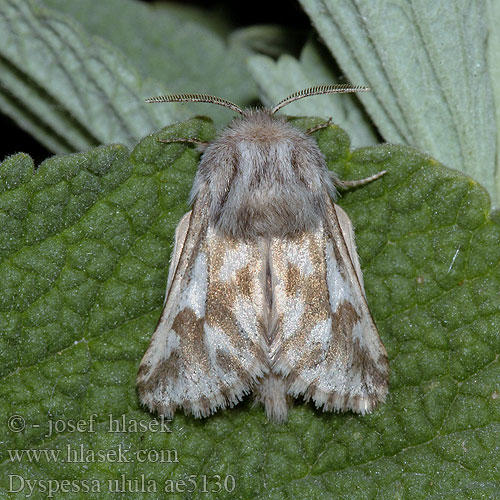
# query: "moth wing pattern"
206,352
327,345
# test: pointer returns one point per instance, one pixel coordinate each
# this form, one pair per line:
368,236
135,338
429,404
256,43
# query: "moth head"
262,176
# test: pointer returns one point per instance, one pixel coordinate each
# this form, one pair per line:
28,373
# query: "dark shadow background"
287,13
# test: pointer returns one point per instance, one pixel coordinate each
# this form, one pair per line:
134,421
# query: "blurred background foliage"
73,74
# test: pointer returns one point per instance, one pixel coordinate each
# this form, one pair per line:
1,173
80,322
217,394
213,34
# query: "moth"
265,292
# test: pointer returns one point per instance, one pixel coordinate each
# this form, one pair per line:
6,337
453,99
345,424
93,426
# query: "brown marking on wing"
362,361
222,296
372,394
244,283
164,371
343,321
230,364
292,280
189,329
313,292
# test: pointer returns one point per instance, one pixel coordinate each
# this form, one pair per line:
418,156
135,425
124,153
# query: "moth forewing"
265,292
196,359
368,366
327,347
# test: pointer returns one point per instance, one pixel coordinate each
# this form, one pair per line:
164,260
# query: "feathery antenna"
197,98
322,89
319,90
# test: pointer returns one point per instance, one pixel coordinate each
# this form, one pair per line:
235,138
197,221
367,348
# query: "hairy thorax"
263,177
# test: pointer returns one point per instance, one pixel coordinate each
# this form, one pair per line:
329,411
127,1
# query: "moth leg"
319,127
201,145
358,182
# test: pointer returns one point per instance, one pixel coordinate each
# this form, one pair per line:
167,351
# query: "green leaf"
182,48
493,62
75,90
287,75
84,252
72,89
426,62
269,39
